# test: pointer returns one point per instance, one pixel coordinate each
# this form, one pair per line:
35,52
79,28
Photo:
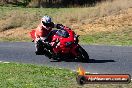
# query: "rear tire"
83,55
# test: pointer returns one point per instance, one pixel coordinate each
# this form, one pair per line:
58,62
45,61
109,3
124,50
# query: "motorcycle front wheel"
83,55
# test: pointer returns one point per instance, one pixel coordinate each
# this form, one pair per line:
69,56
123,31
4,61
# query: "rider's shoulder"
40,26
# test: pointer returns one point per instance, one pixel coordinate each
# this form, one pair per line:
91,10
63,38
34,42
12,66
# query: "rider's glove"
59,26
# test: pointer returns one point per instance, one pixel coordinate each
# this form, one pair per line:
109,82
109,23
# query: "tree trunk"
39,3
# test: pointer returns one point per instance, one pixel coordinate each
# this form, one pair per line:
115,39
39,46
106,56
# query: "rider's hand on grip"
59,26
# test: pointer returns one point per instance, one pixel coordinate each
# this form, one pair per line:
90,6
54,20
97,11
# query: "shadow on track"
90,61
100,61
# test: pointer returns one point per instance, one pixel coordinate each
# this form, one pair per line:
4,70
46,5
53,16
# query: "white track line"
4,62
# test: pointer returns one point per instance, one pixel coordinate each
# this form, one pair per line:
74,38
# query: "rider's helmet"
47,21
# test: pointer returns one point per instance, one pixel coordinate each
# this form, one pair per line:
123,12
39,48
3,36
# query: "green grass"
16,75
120,37
31,76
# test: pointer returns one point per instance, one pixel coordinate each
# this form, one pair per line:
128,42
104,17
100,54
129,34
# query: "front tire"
83,55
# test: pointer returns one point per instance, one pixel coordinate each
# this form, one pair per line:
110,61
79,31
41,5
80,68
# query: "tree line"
52,3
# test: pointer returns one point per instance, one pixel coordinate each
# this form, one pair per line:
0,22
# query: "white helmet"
46,20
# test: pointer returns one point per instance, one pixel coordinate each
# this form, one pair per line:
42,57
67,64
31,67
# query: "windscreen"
62,33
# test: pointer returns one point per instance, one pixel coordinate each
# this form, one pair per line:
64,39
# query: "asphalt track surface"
103,59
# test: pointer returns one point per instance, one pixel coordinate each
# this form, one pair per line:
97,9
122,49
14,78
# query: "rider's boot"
39,52
39,48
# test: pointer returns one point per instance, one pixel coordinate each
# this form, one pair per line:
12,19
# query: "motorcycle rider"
43,31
